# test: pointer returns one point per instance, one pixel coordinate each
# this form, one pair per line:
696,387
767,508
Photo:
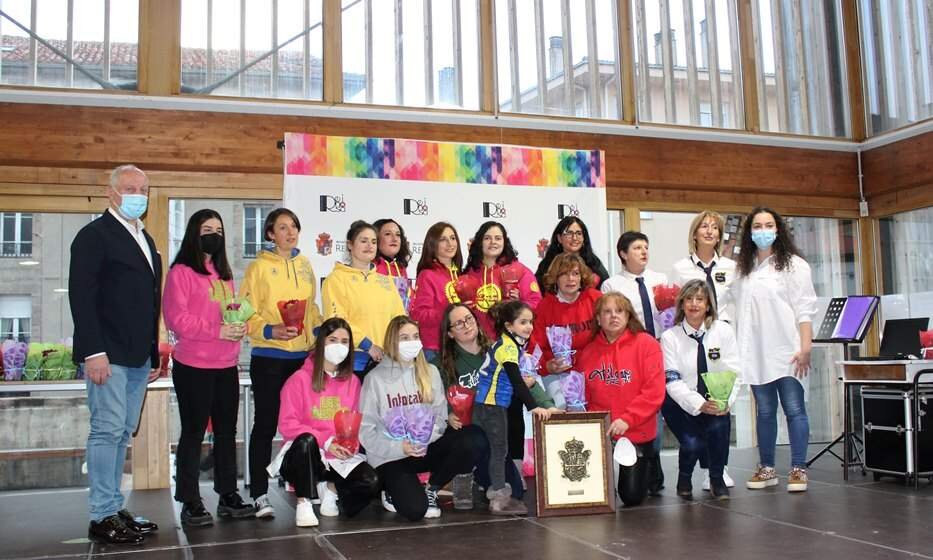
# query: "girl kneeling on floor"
315,464
500,380
404,379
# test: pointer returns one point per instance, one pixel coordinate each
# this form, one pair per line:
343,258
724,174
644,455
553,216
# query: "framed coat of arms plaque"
573,464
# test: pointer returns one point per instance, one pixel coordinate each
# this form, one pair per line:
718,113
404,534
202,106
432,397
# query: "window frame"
18,220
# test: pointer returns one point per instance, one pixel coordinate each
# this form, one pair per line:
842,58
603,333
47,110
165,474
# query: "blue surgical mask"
132,206
764,238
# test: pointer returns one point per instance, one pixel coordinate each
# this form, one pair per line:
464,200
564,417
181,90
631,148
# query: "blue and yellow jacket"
500,378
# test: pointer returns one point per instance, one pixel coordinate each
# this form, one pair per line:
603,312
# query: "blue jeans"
114,408
702,436
790,392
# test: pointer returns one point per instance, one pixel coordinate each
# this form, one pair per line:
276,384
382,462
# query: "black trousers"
268,376
303,468
205,394
634,481
516,430
454,453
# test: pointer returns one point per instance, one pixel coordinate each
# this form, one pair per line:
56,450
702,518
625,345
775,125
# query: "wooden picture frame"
573,464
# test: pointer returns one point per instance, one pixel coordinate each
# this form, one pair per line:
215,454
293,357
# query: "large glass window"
15,234
558,57
801,67
15,318
254,217
897,60
687,63
417,53
69,43
907,264
829,246
252,48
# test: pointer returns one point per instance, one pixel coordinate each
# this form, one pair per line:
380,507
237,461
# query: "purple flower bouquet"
574,391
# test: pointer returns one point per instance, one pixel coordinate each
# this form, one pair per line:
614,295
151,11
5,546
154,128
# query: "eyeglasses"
568,233
462,324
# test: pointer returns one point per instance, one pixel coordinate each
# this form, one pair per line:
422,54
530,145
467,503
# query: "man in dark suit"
115,291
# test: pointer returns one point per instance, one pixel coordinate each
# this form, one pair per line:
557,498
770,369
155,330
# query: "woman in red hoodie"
569,301
624,371
435,287
392,255
493,262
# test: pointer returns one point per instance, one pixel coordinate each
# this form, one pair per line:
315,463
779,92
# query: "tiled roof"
85,52
125,54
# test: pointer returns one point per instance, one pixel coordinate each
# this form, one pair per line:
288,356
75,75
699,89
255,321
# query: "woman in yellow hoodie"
277,275
363,297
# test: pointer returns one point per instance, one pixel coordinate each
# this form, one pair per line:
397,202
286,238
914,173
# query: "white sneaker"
725,477
304,514
434,510
328,500
263,506
387,502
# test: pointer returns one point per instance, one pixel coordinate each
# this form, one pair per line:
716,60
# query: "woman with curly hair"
775,303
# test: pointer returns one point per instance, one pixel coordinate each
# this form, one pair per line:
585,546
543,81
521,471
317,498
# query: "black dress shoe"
112,530
232,505
137,523
194,514
718,489
685,487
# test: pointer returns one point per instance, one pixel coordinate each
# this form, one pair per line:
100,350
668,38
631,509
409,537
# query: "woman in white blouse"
774,305
698,343
705,262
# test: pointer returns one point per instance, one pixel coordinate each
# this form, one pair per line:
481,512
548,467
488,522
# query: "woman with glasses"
571,236
461,356
569,301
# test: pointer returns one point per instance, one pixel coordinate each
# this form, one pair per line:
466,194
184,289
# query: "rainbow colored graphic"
448,162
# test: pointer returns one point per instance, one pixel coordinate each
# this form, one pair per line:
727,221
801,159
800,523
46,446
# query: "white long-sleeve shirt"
680,361
723,273
625,283
769,307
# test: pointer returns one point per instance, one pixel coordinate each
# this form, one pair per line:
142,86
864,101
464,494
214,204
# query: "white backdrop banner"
332,181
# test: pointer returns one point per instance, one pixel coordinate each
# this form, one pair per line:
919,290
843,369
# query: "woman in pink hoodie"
435,287
316,463
205,366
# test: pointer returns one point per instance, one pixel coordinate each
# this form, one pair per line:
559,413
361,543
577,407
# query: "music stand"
846,322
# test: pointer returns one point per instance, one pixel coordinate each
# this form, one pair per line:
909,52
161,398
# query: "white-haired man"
115,290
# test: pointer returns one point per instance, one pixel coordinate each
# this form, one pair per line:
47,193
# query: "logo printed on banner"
324,243
333,203
494,210
415,207
565,210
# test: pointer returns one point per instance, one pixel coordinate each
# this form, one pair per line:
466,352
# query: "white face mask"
408,349
335,353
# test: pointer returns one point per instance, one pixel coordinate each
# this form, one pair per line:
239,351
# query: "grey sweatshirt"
387,386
